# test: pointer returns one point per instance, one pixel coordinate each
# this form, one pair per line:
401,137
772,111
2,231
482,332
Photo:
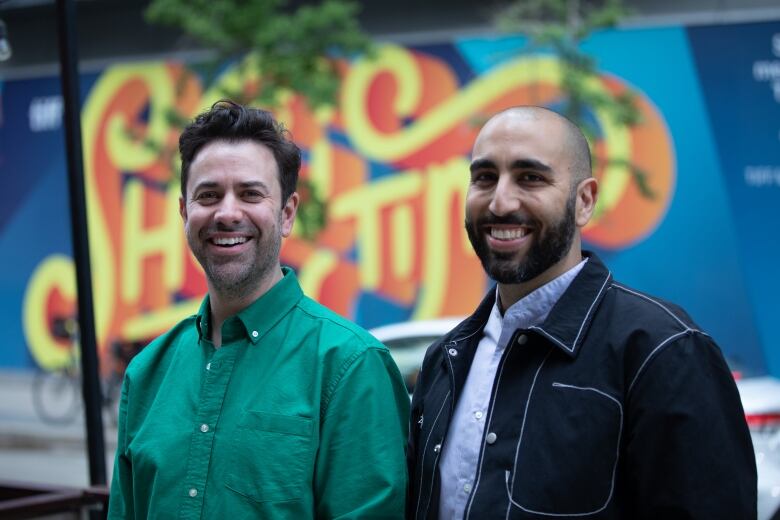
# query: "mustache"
514,219
224,228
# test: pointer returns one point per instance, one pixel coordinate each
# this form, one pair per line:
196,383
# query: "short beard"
241,282
547,250
246,281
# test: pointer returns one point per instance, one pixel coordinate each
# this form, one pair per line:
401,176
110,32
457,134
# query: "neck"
224,304
509,294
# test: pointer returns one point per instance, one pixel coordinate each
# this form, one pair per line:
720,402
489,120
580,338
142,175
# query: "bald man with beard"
566,393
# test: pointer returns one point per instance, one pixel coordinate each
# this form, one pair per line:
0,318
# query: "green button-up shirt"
300,414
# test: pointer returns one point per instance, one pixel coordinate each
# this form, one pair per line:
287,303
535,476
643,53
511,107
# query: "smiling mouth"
507,234
228,241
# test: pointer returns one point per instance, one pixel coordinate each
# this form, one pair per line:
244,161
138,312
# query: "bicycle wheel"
56,397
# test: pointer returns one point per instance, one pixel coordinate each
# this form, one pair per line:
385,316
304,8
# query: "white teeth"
507,234
229,241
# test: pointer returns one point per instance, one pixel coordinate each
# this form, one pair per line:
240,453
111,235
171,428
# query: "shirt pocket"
567,458
271,457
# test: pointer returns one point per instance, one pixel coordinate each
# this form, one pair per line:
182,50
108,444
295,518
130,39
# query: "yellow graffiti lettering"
128,155
55,273
144,326
457,108
444,184
616,175
402,234
127,151
315,270
389,58
320,167
516,73
365,204
140,242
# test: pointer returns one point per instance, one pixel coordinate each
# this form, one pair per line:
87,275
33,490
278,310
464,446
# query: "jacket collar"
568,321
567,324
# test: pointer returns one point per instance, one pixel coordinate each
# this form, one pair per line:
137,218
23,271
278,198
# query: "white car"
761,401
409,340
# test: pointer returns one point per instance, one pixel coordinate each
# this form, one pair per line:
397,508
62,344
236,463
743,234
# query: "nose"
228,211
505,199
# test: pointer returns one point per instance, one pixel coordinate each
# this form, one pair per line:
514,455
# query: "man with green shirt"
264,404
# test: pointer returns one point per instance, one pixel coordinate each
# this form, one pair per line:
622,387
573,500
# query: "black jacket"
617,406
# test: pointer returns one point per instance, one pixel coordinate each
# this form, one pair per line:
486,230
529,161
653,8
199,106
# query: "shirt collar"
566,324
533,308
262,314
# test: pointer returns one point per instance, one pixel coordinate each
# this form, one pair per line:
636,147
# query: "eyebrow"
253,184
479,164
204,184
247,184
530,164
518,164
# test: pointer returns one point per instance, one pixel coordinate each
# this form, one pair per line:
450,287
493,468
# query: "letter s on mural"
392,162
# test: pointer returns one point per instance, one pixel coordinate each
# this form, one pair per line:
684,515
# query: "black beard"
547,249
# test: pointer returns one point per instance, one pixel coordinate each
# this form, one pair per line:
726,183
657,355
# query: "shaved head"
574,144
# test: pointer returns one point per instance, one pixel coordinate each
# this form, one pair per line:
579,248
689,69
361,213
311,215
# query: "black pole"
92,394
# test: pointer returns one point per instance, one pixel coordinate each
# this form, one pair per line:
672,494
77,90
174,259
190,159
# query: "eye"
532,178
252,194
206,197
483,178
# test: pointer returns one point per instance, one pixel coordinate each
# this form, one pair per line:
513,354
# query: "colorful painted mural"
392,163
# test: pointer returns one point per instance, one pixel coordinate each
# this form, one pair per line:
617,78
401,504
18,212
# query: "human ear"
587,196
288,213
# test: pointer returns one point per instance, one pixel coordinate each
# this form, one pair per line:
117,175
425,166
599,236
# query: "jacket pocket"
271,458
567,458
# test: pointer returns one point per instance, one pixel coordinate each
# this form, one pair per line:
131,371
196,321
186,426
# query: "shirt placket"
212,394
476,426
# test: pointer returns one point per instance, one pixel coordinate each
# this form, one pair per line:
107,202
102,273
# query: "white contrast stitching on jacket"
584,320
422,459
525,416
614,466
656,349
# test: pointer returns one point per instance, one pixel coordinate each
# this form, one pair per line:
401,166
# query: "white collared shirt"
460,453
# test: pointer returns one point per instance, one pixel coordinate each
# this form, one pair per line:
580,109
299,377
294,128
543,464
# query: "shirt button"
255,334
193,492
437,448
522,339
491,438
467,488
208,366
204,428
478,415
453,352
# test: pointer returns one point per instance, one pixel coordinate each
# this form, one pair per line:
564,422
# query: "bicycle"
57,396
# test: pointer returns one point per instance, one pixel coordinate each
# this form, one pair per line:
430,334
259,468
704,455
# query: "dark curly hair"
226,120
